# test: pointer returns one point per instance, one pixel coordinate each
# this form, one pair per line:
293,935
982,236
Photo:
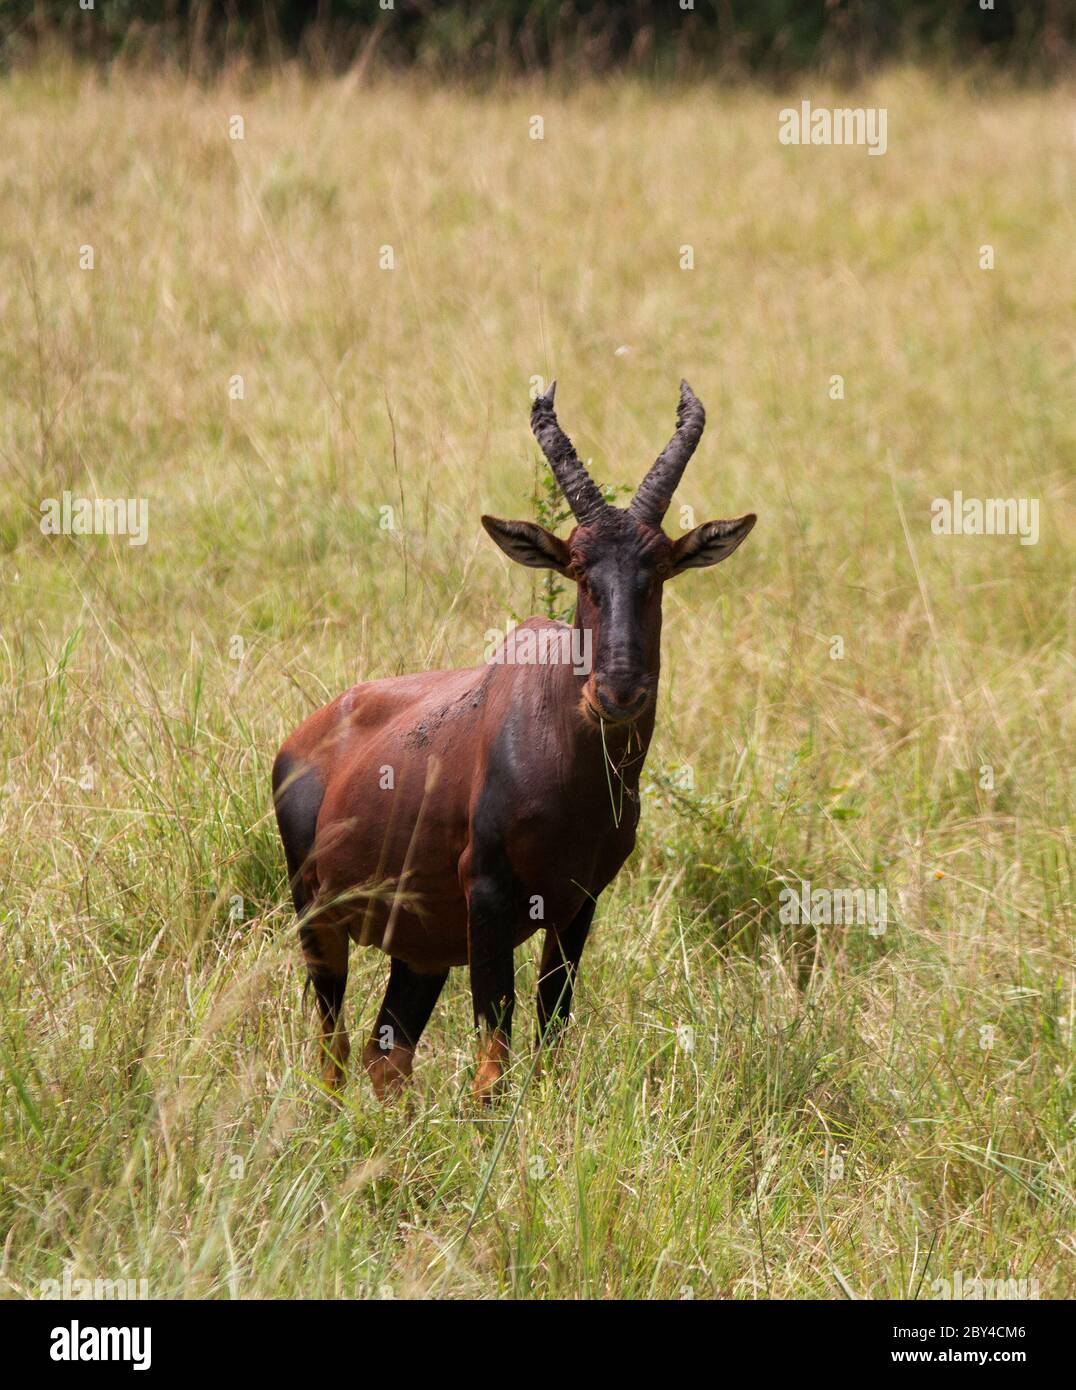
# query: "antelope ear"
709,543
529,544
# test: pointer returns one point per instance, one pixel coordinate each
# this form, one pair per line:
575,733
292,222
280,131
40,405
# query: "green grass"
742,1108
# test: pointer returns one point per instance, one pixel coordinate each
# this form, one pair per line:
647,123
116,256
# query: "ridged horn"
651,502
583,494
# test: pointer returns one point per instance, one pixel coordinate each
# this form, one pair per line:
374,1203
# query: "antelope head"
620,558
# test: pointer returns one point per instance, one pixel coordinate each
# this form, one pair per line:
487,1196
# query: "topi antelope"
444,817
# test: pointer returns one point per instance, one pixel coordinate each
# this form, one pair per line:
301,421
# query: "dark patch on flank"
298,792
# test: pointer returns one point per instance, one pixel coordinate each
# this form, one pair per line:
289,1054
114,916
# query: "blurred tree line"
654,36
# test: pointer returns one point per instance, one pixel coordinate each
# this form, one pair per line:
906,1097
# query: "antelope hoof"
388,1071
492,1060
335,1052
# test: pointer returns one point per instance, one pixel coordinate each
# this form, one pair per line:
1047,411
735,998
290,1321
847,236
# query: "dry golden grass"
836,1120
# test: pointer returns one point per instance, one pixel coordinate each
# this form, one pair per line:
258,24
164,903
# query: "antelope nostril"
622,705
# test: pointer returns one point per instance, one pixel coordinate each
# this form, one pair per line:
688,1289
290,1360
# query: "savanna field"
743,1107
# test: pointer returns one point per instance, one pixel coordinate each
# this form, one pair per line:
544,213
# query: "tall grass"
742,1107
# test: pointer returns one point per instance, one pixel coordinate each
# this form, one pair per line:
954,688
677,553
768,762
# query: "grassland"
744,1108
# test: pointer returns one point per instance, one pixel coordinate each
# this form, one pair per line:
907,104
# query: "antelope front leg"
560,964
493,988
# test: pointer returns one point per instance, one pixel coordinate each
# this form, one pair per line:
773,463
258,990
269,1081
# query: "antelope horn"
651,502
583,494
